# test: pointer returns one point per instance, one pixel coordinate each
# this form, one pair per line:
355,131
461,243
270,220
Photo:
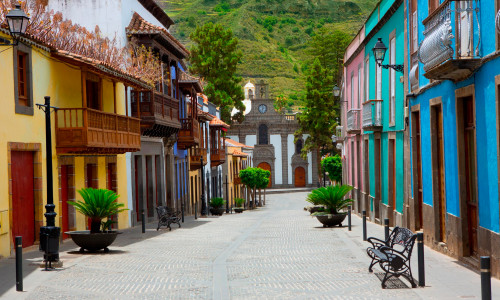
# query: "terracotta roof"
233,143
205,115
239,153
140,26
216,122
186,79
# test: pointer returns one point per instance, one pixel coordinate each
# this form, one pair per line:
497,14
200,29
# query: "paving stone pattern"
276,252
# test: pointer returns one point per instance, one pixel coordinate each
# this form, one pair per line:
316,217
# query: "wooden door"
23,201
470,173
417,165
300,177
137,164
266,166
438,173
378,181
64,200
392,173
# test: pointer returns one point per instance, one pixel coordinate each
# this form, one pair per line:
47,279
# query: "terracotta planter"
93,241
239,210
332,220
217,211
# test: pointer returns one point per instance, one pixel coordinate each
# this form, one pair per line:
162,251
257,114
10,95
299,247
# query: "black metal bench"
167,216
393,255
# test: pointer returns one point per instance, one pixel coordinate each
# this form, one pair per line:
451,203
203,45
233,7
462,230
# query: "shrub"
331,197
217,202
333,165
239,202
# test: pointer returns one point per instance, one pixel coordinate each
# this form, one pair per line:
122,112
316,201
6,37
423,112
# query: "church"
272,135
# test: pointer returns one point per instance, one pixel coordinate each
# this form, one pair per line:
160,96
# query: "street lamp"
379,51
336,91
17,21
204,210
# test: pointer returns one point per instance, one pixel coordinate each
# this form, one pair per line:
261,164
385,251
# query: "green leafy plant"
331,197
255,178
239,202
333,165
97,204
217,202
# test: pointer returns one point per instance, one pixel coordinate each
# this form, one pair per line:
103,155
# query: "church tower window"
263,139
298,146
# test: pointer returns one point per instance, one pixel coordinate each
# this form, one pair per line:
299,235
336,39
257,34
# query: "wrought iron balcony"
451,47
372,115
195,158
89,131
159,113
353,121
339,132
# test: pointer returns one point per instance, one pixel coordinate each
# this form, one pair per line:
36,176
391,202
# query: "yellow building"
90,135
238,158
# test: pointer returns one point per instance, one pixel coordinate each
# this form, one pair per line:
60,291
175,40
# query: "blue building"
452,53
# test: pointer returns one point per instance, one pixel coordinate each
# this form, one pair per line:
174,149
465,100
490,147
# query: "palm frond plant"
331,197
97,205
217,202
239,202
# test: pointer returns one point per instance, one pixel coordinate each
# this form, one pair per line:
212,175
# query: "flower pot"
238,210
217,211
93,241
332,220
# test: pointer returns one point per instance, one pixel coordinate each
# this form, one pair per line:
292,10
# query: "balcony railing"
89,131
451,47
339,132
372,115
189,135
196,155
159,113
217,157
353,121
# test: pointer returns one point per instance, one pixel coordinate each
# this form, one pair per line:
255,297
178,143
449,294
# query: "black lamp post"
204,210
17,20
379,51
49,234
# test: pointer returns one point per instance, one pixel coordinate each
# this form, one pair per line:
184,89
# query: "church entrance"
300,177
266,166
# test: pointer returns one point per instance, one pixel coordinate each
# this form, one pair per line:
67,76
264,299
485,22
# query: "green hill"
274,34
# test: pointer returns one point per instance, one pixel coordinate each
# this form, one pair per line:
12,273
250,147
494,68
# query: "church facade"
272,135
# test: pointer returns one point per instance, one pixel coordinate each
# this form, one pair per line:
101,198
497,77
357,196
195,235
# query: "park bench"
393,255
167,216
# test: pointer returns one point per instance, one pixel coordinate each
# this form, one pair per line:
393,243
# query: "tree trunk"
260,197
95,225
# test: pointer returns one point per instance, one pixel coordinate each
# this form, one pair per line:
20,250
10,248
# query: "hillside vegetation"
273,34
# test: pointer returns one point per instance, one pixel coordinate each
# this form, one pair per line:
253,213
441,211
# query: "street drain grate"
393,282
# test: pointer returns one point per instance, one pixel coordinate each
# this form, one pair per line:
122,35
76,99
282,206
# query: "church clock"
262,108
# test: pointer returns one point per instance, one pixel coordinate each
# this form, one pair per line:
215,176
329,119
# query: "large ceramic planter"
331,220
217,211
93,241
239,210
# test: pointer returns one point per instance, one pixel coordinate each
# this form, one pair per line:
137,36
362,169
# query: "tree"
333,165
280,104
320,111
255,178
215,57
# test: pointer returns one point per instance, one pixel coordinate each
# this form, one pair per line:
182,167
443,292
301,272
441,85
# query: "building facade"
272,136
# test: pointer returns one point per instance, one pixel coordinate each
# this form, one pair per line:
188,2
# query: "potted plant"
239,205
333,202
97,204
217,206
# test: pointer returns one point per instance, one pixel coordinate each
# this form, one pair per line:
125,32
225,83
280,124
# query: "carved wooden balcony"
195,158
353,121
89,131
159,113
372,115
451,47
189,135
217,157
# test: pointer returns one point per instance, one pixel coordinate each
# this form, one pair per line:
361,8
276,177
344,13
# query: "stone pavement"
276,252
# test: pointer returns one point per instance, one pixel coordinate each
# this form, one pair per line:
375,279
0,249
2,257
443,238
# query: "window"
392,82
352,90
378,79
93,91
433,4
367,76
92,177
358,88
263,140
298,147
22,80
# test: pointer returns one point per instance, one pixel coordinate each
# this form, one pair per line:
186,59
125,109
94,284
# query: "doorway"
267,167
23,200
378,181
438,175
300,177
417,170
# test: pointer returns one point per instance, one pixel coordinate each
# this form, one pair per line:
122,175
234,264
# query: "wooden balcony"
189,135
195,158
89,131
236,179
217,157
159,113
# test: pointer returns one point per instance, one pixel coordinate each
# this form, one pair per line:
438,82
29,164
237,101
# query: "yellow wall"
63,83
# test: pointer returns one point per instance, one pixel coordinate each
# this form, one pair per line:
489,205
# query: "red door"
64,201
23,202
266,166
300,177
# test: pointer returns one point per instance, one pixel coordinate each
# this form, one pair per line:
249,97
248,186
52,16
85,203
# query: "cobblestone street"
275,252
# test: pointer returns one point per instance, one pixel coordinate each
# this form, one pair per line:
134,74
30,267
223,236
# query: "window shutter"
414,31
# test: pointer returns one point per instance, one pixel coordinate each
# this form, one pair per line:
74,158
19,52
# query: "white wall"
291,151
278,163
235,138
251,140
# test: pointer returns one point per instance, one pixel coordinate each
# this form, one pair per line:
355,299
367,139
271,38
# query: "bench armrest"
388,250
376,243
